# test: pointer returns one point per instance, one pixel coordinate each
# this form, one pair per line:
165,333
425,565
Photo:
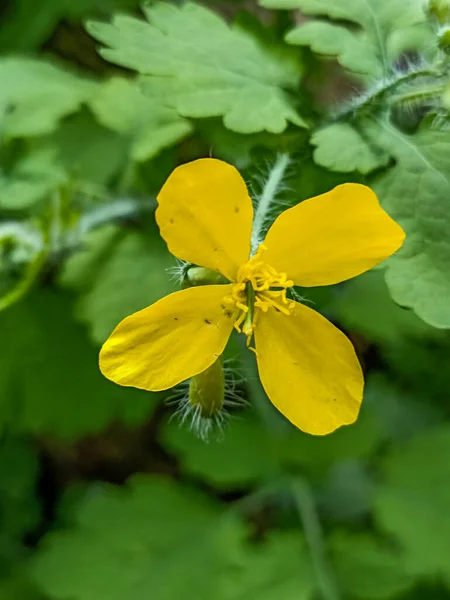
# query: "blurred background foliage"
102,494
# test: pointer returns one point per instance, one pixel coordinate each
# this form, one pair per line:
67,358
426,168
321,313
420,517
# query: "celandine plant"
308,368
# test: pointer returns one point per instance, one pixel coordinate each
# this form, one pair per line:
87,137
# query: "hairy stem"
418,95
314,536
379,91
268,195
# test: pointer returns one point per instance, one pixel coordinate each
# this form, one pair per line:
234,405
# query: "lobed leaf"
119,105
203,67
377,34
416,193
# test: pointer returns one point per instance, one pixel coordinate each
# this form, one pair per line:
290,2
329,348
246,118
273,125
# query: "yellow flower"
308,368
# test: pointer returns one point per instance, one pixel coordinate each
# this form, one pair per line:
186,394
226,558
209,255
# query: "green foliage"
341,147
245,456
18,508
116,274
49,386
365,306
385,31
149,125
204,68
368,568
165,539
412,500
30,178
264,511
416,192
278,569
35,95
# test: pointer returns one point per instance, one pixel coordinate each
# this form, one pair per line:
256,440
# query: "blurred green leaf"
37,94
367,568
25,28
277,569
341,147
204,68
412,501
242,457
17,586
19,507
116,274
421,369
346,494
166,542
364,305
385,30
147,124
402,411
416,193
22,255
89,152
251,453
31,178
49,379
318,453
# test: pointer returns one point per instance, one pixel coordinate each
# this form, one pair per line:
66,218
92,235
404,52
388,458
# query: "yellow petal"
179,336
332,237
309,369
205,215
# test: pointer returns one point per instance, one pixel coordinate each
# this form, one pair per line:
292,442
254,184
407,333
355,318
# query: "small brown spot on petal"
208,322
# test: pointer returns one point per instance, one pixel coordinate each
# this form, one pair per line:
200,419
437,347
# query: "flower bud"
440,10
201,276
207,390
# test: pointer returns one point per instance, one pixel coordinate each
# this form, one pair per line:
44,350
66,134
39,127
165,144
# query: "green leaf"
89,152
15,585
341,147
19,508
277,569
413,498
24,29
242,457
204,68
249,453
38,95
416,193
31,178
117,274
49,379
150,127
151,539
22,255
364,305
367,568
380,31
401,412
317,454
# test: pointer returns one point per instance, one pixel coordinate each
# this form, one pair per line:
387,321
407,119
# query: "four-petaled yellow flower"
308,368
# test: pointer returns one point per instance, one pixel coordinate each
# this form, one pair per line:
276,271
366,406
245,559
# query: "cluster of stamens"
258,287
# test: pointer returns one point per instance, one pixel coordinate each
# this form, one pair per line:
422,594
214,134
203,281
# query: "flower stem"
268,195
314,536
380,90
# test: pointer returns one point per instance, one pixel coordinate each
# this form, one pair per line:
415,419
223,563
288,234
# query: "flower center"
258,287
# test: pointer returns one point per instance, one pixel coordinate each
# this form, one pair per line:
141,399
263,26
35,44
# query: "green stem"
378,92
267,197
420,94
314,536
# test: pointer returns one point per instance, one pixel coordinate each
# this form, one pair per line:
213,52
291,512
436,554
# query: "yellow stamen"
259,287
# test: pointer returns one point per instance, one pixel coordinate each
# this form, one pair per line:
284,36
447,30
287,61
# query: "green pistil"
247,327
